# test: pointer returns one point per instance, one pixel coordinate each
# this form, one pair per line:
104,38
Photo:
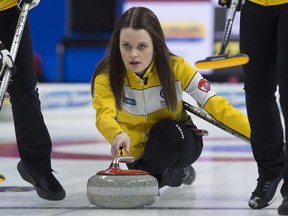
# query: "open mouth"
134,63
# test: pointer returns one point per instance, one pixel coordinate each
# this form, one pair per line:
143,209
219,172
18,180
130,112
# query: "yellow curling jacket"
5,4
144,104
269,2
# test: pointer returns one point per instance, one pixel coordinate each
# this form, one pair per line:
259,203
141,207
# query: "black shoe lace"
262,188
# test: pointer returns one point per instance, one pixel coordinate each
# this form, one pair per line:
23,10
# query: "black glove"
6,60
227,3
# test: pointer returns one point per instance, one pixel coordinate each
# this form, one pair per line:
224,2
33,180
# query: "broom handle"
205,116
19,30
228,25
13,51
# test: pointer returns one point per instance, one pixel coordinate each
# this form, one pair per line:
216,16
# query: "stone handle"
123,159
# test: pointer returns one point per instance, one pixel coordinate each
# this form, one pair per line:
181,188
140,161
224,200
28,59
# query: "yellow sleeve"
104,104
222,110
6,4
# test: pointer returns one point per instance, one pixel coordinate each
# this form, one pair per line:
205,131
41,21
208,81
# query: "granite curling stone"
117,188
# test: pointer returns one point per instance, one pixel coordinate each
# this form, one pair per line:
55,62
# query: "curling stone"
117,188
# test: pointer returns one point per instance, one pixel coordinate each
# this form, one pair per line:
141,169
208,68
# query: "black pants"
33,139
264,37
170,148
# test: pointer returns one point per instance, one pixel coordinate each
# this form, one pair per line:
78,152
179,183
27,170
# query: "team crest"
162,102
162,93
204,85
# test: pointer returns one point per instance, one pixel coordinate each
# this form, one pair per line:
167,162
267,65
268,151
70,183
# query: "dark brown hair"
138,18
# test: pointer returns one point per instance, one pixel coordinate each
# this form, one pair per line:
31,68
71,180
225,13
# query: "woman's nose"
134,53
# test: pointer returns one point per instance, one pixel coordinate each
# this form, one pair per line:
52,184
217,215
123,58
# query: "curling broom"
223,60
2,178
14,49
205,116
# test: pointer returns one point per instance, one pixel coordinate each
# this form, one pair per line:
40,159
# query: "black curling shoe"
283,208
189,175
46,185
264,193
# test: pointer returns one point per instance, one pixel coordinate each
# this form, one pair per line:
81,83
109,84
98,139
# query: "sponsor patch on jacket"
129,101
204,85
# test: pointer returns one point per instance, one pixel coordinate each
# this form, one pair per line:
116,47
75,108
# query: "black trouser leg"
33,139
170,148
260,82
282,63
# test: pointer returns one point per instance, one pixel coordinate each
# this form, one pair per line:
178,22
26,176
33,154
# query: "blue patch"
237,148
236,98
129,101
16,189
60,99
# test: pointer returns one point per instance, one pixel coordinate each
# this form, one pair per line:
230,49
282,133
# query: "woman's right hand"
120,140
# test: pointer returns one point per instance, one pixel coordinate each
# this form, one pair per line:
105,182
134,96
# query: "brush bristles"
222,62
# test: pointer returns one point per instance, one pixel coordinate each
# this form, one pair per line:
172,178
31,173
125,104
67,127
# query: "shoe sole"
41,193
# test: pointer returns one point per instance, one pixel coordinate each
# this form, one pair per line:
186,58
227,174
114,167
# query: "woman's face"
136,49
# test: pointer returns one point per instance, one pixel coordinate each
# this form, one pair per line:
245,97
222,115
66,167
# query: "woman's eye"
142,46
126,46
